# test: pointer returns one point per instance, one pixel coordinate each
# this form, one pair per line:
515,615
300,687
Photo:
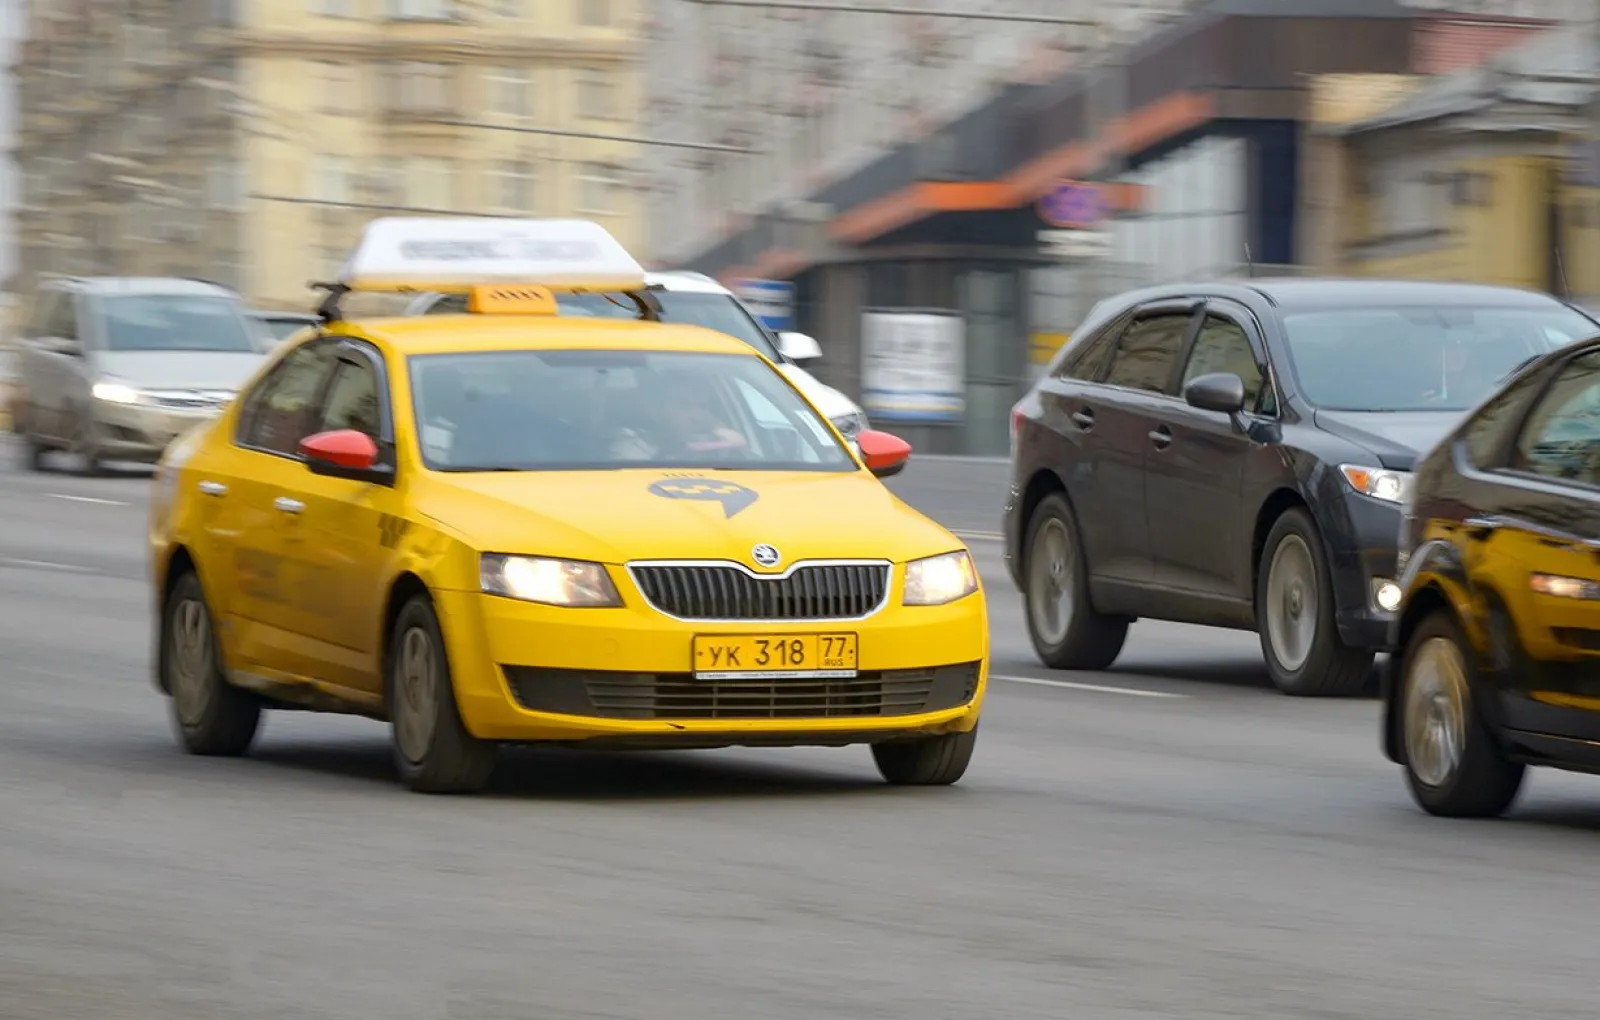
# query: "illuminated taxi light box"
458,253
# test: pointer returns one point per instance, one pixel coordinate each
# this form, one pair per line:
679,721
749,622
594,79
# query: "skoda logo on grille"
765,555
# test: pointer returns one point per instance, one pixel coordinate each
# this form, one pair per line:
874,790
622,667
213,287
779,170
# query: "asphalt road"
1170,839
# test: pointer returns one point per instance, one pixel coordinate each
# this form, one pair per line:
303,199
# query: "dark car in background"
1236,454
1496,662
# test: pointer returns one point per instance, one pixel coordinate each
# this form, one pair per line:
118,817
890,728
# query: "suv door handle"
287,505
213,488
1162,437
1084,419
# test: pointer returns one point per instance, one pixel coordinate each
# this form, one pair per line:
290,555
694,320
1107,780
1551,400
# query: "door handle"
1162,437
1083,419
213,488
1480,528
287,505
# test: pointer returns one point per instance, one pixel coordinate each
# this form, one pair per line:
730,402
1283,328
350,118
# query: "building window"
594,13
509,91
225,185
420,10
598,184
429,183
508,8
512,186
595,94
421,88
337,87
330,179
334,8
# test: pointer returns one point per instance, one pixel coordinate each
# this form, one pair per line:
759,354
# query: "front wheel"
1066,630
212,716
433,751
1453,765
1295,615
926,761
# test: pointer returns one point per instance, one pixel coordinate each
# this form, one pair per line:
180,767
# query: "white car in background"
697,300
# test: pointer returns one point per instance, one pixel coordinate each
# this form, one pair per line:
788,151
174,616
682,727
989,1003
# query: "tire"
433,751
1295,615
1454,766
1066,631
34,451
88,448
927,761
211,715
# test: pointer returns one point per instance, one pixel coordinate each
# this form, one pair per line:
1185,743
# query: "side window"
1147,352
63,320
44,307
1089,364
1223,346
353,401
1562,436
281,411
1484,434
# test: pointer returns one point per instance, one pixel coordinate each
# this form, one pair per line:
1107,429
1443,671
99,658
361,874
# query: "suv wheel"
1295,615
433,751
213,717
1066,631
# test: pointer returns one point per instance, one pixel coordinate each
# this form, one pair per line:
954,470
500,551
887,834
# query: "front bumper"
526,672
1363,536
139,431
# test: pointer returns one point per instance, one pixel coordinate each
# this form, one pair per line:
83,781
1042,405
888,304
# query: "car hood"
828,400
1397,438
617,516
180,370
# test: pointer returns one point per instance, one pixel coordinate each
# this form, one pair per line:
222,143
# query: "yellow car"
513,526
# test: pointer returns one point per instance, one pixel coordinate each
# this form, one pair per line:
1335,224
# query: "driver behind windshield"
677,418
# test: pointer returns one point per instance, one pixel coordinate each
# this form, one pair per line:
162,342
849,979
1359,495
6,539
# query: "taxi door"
253,532
343,536
1540,550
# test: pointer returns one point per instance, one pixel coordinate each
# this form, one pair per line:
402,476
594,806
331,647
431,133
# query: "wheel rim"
1436,711
191,660
416,686
1292,602
1050,601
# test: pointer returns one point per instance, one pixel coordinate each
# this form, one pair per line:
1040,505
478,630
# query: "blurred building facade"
248,141
1489,174
1192,129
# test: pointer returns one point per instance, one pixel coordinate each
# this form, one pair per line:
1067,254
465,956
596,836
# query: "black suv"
1236,454
1497,644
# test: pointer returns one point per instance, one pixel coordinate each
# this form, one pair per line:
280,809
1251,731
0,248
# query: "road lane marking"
87,499
979,536
44,565
1133,692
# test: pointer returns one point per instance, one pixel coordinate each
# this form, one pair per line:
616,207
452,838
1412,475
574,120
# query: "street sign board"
772,301
1074,205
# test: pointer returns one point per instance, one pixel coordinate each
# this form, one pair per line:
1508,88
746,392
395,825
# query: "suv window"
1089,362
1562,436
1147,352
1223,346
63,320
281,410
1483,435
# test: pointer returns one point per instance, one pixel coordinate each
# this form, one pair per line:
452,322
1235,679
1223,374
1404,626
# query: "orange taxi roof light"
512,300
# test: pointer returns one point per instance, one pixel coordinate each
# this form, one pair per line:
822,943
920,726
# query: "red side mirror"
343,450
884,454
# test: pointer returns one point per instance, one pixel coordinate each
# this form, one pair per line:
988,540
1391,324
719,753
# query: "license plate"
774,656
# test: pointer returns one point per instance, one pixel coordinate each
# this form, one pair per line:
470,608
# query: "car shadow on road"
556,773
1246,673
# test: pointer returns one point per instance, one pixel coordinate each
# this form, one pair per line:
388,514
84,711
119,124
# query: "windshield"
177,322
721,312
591,410
1419,358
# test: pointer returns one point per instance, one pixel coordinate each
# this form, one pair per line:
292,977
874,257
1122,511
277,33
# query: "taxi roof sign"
455,254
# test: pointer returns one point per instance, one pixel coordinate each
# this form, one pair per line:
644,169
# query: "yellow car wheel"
926,761
212,716
433,751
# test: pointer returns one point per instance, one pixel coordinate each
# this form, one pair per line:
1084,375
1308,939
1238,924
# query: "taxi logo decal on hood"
732,496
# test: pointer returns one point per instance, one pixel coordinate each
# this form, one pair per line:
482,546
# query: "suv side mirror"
799,346
1216,391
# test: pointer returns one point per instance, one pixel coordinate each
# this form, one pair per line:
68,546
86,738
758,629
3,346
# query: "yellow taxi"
514,526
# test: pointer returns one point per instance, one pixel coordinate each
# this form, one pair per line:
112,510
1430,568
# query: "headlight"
850,425
551,582
940,579
1379,483
115,393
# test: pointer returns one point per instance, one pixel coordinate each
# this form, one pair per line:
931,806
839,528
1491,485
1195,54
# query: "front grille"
611,695
202,400
822,591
